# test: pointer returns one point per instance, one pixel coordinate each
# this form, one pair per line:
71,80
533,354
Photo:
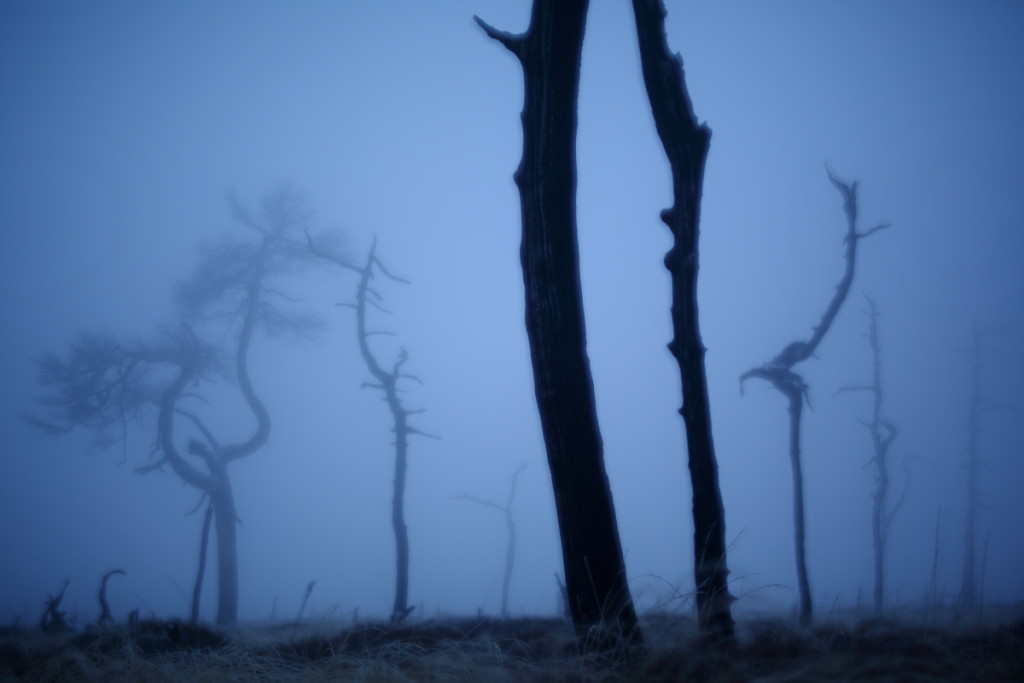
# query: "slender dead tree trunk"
686,145
510,527
795,395
387,381
883,432
780,374
549,53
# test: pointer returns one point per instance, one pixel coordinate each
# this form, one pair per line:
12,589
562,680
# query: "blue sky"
125,124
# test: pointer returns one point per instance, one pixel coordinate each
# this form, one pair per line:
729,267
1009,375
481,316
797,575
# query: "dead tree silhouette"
780,374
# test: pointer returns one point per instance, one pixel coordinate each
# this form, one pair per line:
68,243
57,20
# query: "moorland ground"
907,647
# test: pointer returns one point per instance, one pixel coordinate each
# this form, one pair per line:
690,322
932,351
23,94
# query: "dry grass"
769,651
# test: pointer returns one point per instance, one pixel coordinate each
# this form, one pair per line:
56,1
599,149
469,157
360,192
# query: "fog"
125,125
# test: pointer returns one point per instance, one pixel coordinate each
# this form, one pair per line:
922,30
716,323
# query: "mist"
127,126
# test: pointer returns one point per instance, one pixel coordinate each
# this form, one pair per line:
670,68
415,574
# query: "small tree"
882,433
779,372
104,384
510,528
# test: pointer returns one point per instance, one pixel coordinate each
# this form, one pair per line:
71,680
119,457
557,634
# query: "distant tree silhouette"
686,145
549,53
106,617
104,384
510,527
386,380
779,372
978,405
52,619
882,432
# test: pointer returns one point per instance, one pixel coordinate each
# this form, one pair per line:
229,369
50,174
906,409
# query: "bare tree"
387,380
882,432
103,385
510,528
779,372
686,145
549,53
105,616
53,618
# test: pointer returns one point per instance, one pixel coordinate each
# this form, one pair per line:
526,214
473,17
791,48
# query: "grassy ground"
481,649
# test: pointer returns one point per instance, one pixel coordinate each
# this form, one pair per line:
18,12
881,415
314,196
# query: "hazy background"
125,123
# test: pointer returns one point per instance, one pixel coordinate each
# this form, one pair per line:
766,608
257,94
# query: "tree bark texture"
686,145
549,53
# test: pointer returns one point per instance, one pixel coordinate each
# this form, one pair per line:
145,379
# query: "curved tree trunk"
549,53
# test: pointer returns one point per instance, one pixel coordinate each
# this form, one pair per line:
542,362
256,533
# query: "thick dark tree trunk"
550,53
686,146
